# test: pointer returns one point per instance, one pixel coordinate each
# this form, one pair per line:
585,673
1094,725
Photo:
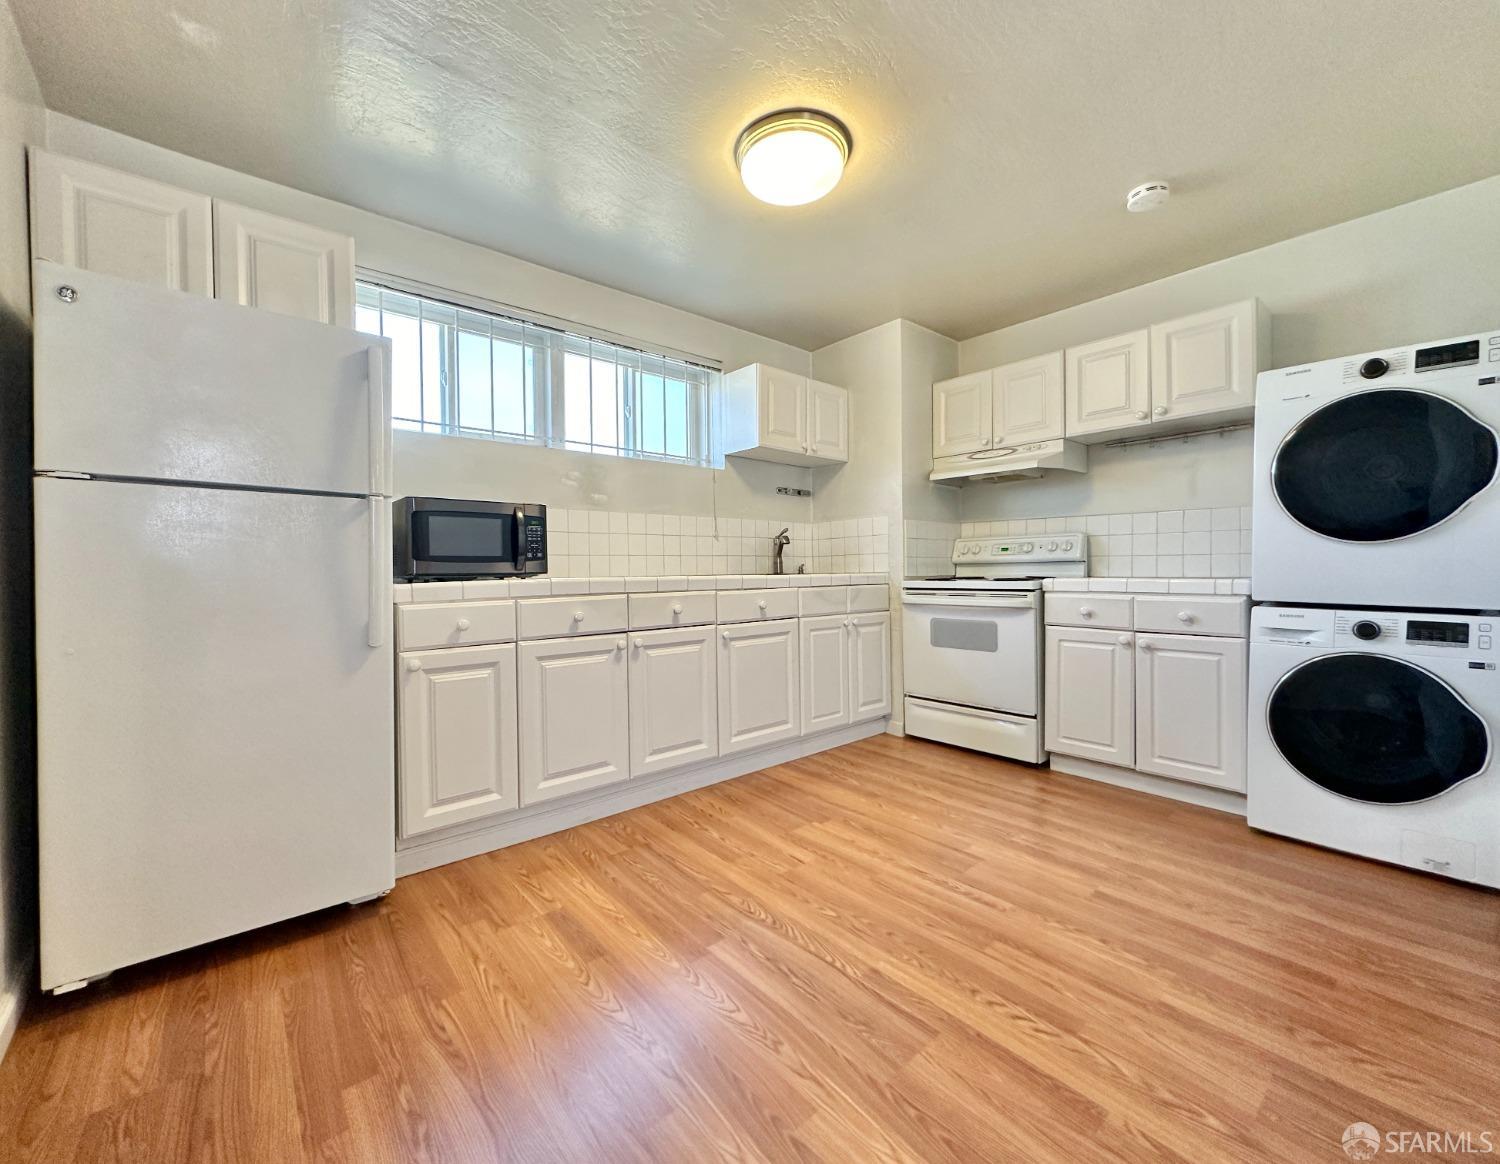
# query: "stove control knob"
1067,545
1366,630
1052,545
1027,548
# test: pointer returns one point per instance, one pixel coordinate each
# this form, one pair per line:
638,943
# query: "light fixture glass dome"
792,157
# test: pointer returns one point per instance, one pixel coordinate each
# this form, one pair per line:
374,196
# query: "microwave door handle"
520,557
381,584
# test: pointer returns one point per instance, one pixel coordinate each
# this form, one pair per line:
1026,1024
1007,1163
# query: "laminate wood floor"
890,951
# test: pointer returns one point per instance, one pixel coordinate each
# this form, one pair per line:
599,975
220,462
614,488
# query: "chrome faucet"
778,545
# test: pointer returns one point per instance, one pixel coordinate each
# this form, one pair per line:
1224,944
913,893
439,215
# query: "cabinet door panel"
89,216
962,412
783,410
1190,708
575,724
869,666
827,421
758,688
457,730
1029,400
281,265
1090,700
1107,385
674,708
825,672
1204,363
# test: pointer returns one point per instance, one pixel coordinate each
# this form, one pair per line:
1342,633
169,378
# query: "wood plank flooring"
891,951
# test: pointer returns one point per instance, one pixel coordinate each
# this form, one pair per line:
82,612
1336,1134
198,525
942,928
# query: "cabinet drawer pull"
761,604
578,616
463,624
1085,612
676,608
1185,616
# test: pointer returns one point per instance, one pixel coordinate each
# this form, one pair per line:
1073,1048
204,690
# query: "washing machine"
1373,732
1375,479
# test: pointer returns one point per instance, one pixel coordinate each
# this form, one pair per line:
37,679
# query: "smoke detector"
1147,196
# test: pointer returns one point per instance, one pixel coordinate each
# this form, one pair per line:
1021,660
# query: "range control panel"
1060,547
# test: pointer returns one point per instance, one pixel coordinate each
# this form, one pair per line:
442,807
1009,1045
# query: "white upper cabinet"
456,715
1028,400
774,415
758,703
827,421
1190,708
263,260
1108,386
674,708
575,722
962,414
89,216
1207,363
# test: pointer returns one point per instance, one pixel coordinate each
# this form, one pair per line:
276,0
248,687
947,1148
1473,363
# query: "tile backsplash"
929,546
596,543
1158,543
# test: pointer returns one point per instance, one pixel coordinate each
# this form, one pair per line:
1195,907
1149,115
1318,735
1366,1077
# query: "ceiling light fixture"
792,157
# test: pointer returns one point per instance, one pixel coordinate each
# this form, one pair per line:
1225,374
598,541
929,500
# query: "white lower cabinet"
1190,708
457,714
758,687
674,709
575,722
825,673
1089,700
869,666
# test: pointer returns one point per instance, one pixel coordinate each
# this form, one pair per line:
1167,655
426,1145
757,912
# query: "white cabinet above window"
774,415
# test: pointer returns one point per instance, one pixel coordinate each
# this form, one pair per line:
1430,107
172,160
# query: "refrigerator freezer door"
144,382
215,732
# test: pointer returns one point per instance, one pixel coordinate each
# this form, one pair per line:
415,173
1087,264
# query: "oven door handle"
975,601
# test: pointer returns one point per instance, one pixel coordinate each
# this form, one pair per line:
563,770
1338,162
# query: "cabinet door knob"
639,643
463,624
1085,612
620,646
578,616
986,442
1123,640
1160,410
1140,416
414,664
676,608
725,636
1184,616
1145,646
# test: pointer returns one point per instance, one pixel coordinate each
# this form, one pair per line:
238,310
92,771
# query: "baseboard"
13,999
1217,798
529,823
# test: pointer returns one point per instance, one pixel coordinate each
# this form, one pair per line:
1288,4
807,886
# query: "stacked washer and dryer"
1374,693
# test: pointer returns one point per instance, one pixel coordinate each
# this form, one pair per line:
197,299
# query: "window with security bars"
458,370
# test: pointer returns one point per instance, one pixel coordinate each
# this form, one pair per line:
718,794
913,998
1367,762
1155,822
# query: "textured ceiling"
994,139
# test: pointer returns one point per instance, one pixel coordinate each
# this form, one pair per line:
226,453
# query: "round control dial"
1374,368
1366,630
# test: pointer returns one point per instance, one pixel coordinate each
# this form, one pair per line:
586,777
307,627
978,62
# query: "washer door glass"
1383,464
1375,729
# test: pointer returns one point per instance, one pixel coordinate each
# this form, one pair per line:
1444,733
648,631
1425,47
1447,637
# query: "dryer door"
1376,729
1384,464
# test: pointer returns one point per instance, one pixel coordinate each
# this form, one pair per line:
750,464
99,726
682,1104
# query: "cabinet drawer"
1193,614
868,599
749,605
816,600
455,624
550,618
1079,608
684,608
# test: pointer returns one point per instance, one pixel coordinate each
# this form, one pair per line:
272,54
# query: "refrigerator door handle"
381,595
380,418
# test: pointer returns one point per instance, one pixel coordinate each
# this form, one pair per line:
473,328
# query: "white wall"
869,366
925,356
489,469
21,124
1424,270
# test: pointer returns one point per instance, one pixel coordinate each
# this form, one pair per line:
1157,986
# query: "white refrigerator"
213,572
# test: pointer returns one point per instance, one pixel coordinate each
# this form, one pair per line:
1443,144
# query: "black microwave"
438,537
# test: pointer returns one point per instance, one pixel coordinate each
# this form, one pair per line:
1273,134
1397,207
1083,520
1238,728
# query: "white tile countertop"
543,587
1152,585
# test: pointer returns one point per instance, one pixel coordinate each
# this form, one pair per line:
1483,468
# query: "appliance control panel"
1056,547
1466,352
1385,632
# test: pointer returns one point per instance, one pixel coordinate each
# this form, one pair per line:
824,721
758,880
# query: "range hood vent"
1014,462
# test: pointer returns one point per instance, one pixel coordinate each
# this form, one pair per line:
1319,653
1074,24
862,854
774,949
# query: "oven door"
976,649
441,538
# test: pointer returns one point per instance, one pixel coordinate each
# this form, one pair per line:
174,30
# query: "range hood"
1011,462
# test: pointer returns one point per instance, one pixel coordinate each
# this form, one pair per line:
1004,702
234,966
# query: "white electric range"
972,643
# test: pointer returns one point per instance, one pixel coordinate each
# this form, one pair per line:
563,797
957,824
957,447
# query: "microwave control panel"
535,539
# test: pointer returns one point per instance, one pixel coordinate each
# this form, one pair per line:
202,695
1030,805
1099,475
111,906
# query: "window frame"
547,404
